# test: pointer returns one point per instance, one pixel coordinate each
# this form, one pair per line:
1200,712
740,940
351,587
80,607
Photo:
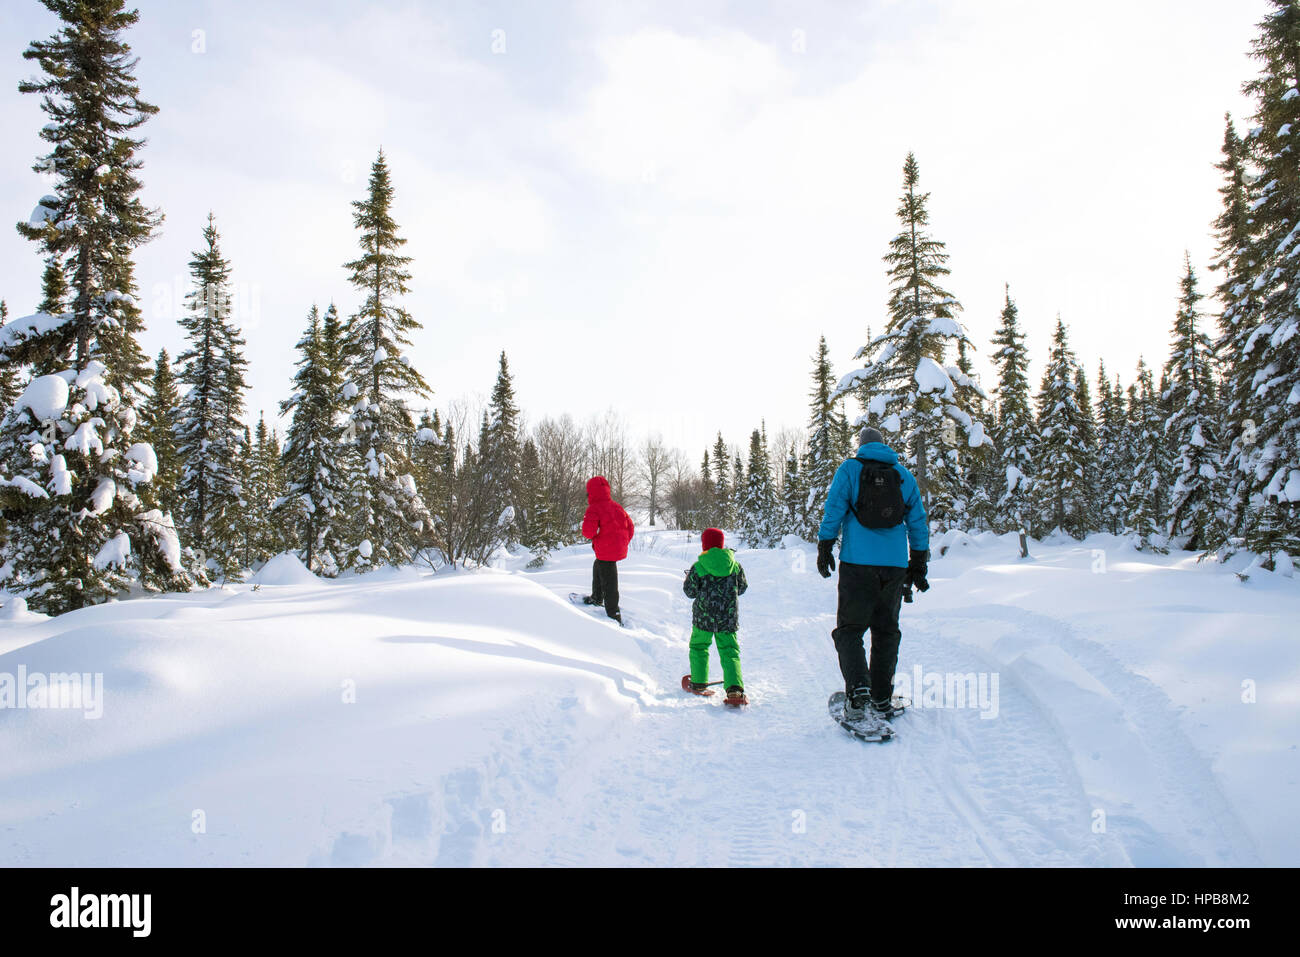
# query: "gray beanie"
869,434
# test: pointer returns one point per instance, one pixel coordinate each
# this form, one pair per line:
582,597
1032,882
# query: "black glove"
825,560
918,566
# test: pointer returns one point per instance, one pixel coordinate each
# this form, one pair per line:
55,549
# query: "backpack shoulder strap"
864,463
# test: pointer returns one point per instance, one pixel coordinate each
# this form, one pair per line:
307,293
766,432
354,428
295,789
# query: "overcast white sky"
660,206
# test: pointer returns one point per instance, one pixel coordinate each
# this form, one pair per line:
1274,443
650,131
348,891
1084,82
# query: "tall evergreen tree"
82,525
94,220
724,515
1061,459
440,492
500,454
262,536
1271,354
1240,266
158,418
240,528
962,463
389,514
427,458
758,501
536,521
795,497
903,384
736,508
1191,430
209,424
1086,489
1015,432
1114,472
827,429
315,459
1146,422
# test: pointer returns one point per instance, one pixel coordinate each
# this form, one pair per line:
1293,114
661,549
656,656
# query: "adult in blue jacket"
875,566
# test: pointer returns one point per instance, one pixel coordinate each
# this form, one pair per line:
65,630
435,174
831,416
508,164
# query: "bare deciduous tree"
656,464
562,451
609,453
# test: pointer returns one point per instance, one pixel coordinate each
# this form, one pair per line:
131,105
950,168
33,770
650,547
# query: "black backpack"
880,496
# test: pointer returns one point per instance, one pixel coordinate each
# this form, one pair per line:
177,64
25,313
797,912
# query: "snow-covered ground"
480,718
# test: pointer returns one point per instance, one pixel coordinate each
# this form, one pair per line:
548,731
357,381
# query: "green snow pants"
728,651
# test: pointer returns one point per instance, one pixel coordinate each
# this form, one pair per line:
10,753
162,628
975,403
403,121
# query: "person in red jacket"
610,529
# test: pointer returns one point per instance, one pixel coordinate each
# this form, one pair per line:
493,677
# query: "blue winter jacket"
871,546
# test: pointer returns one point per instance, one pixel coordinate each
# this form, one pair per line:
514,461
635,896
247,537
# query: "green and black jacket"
716,581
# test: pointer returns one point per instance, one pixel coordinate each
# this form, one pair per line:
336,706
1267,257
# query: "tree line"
120,474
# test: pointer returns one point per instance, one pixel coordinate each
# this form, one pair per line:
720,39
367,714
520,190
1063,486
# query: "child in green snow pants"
728,651
716,581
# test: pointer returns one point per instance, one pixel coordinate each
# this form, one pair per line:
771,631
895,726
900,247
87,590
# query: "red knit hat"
712,538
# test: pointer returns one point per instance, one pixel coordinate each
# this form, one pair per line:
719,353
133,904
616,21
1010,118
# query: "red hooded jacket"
606,523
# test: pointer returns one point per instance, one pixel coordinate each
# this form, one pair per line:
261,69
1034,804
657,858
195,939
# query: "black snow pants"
604,586
870,597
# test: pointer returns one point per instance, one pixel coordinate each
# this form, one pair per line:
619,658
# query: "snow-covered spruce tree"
693,507
158,421
427,457
967,470
240,528
390,518
316,462
1114,454
1240,265
757,522
723,515
1061,458
536,522
486,526
736,508
500,452
903,385
435,461
209,423
74,474
1192,429
73,486
794,497
1146,496
827,430
93,221
260,534
1271,353
1086,488
1016,433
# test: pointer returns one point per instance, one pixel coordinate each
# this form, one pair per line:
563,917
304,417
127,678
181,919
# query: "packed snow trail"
482,719
689,783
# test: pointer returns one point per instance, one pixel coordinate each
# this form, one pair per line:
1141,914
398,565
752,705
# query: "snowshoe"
735,697
703,690
870,727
